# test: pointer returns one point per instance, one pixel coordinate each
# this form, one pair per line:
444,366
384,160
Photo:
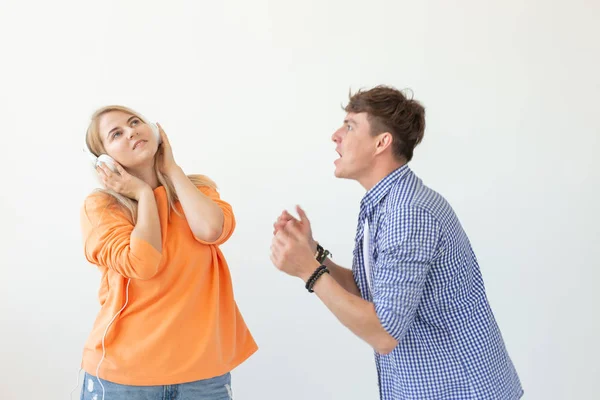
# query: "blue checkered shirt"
429,295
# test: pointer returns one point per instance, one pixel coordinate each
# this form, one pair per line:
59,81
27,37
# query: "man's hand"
304,225
291,250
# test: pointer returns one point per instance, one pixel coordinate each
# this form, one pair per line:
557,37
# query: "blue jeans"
218,388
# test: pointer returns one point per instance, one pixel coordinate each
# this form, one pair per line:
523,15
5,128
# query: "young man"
415,291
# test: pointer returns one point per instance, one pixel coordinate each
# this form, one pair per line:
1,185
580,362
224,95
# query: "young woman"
168,322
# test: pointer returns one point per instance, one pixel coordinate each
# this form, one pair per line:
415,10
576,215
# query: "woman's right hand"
123,182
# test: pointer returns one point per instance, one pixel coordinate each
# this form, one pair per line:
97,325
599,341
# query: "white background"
249,93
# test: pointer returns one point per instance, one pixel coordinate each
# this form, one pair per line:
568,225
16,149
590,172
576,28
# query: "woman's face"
127,139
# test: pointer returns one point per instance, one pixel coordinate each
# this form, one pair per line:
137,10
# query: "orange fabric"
181,323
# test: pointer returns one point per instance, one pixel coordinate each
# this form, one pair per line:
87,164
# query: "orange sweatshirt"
181,323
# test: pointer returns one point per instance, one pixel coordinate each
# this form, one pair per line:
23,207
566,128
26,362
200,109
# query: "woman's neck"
148,175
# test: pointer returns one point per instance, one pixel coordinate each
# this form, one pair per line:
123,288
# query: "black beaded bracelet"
314,281
310,283
314,274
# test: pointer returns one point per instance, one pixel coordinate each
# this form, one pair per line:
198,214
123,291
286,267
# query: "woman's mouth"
138,143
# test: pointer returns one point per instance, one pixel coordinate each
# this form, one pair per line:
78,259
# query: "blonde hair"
95,145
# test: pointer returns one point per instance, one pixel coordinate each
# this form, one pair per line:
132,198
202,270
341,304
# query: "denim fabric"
218,388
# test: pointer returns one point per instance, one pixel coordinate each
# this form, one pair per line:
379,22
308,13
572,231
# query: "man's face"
355,145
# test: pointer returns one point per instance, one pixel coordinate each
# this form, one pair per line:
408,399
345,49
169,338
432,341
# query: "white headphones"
108,160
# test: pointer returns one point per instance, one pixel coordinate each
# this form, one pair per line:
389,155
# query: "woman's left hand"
166,161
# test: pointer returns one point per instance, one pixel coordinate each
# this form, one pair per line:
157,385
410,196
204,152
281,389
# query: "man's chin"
340,174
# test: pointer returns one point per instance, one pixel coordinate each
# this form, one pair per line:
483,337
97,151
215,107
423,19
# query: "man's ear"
384,141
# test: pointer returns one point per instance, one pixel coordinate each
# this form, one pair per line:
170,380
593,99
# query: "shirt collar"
381,189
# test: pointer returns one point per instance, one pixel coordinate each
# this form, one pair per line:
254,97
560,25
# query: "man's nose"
335,136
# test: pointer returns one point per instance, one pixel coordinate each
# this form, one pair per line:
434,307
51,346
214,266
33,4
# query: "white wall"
250,92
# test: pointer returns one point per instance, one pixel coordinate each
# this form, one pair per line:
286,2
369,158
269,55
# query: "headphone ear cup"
108,161
93,159
156,132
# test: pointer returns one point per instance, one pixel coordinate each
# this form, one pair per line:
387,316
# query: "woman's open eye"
116,134
135,121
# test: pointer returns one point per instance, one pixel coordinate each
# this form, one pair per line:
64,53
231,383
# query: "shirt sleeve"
108,243
228,216
410,240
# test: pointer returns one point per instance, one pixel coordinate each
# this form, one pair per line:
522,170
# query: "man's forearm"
353,312
343,276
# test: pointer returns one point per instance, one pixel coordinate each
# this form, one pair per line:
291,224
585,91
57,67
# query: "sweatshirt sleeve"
108,243
228,217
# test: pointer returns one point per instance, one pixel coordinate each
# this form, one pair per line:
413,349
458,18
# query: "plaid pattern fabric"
429,295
